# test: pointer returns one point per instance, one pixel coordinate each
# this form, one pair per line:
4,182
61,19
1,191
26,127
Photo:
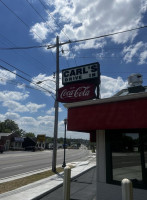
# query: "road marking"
26,154
14,166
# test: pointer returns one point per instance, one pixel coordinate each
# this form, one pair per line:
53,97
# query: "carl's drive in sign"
81,73
76,92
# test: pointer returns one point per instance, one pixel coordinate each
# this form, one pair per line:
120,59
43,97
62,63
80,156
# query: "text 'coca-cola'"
76,92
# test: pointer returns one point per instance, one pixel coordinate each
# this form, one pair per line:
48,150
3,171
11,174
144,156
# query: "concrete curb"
45,186
61,184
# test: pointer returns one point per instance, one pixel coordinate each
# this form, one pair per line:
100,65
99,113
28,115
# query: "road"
13,163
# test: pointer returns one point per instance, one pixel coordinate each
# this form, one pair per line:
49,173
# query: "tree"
29,135
9,125
20,132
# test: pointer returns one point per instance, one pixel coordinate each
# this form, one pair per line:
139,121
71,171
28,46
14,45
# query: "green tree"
11,125
2,128
29,134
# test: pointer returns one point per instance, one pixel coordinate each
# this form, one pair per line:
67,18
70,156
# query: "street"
14,163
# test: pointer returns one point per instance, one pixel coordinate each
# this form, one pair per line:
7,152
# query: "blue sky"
38,22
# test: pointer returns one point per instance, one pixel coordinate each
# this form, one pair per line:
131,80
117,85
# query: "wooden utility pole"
54,157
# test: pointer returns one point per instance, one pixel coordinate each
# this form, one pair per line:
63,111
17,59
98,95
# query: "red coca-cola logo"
76,92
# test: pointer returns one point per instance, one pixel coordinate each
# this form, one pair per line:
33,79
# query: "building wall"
109,191
129,114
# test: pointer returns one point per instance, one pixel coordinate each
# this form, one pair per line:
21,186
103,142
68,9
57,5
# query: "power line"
28,47
26,52
53,18
59,27
27,80
76,41
15,67
23,23
48,24
40,17
110,34
24,72
19,19
19,69
13,82
38,14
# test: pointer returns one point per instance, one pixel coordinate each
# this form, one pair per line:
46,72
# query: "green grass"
12,185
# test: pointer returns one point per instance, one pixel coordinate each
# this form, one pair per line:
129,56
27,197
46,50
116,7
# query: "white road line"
14,166
27,154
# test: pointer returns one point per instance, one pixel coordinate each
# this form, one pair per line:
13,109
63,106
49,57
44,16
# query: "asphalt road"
13,163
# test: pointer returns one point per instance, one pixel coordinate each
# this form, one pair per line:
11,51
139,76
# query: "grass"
12,185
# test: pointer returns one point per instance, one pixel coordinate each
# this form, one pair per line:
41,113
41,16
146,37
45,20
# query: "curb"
61,184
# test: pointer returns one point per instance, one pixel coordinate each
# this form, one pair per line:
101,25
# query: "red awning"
128,114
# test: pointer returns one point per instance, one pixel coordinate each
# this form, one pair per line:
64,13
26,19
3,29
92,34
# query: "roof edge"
107,100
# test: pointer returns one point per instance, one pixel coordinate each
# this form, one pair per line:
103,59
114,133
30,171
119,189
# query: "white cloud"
143,58
52,110
33,107
110,86
2,117
12,95
17,107
6,76
27,121
98,18
138,51
12,116
21,86
46,120
39,31
46,82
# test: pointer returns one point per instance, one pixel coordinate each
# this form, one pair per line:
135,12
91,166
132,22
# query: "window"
126,153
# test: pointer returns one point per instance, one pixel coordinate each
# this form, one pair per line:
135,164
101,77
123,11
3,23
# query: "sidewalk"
82,188
45,186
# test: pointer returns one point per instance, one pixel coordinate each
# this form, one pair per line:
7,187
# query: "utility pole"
54,157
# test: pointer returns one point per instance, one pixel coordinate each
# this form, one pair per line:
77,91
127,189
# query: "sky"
34,23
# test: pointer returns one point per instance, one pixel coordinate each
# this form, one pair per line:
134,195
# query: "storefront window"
127,155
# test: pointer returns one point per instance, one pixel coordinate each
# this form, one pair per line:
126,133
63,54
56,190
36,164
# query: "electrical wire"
20,19
16,83
26,52
110,34
14,67
59,27
24,72
82,40
28,47
40,17
28,80
53,18
21,70
23,23
39,14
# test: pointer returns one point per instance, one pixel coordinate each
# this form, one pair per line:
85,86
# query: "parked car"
30,148
33,148
1,148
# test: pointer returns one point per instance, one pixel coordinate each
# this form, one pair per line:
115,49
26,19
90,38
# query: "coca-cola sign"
76,92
